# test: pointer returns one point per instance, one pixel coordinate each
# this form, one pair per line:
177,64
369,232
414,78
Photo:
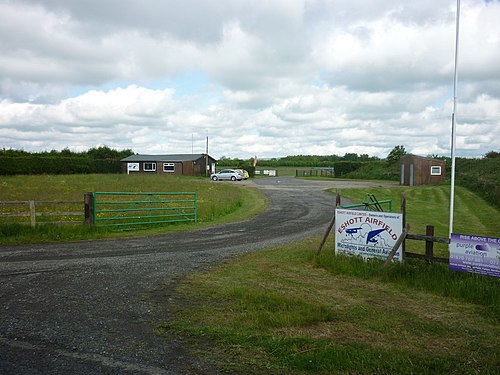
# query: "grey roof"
165,158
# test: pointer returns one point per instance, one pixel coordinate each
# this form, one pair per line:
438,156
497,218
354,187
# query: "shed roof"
165,158
412,156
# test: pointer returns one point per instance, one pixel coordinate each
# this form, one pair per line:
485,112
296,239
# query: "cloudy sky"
258,77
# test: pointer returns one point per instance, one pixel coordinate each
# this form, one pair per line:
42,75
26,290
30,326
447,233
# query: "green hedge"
481,176
341,168
35,164
376,170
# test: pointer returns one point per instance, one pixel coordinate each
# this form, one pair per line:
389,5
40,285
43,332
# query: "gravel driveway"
91,307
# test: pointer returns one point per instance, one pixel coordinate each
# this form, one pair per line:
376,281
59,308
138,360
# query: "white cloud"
278,78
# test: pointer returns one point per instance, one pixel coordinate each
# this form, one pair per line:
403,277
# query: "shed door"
411,174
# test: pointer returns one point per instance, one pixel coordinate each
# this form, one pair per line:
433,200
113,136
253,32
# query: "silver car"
226,174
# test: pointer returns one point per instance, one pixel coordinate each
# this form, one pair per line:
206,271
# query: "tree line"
481,175
101,152
298,160
100,159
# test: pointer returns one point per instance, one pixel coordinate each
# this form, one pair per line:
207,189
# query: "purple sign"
475,254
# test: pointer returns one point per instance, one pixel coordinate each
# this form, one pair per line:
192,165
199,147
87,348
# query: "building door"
411,174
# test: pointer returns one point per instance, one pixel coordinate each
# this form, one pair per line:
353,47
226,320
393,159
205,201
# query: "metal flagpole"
453,121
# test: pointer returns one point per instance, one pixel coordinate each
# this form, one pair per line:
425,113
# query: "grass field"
217,202
286,311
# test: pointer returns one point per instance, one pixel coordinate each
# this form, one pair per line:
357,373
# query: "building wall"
172,168
200,166
416,170
185,168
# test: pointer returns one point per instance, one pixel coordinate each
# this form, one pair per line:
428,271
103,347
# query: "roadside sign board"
368,234
475,254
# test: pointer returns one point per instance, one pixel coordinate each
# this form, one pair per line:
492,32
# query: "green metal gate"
372,203
131,208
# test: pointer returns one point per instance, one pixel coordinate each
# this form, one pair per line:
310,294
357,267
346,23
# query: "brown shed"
176,164
417,170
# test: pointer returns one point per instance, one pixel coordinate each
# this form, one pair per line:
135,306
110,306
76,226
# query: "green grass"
217,203
284,311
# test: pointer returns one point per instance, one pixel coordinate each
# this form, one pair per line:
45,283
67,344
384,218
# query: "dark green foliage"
396,154
342,168
375,170
297,160
104,152
37,164
481,176
492,154
96,160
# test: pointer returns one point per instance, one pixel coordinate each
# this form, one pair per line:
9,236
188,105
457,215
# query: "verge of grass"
218,202
283,311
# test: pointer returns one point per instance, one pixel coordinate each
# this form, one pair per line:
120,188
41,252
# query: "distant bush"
37,164
96,160
374,170
343,168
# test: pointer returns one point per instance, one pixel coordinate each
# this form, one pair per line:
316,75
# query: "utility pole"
206,161
453,121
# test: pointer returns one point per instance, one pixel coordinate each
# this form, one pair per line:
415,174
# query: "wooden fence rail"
429,239
37,209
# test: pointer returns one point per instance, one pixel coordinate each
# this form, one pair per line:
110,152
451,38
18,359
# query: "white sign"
132,167
270,172
475,254
367,234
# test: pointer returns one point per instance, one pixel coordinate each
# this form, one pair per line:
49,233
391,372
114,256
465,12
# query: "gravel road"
91,307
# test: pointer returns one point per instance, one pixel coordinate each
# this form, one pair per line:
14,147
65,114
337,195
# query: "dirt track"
90,307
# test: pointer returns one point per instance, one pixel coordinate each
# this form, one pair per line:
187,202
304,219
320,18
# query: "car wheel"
233,178
214,178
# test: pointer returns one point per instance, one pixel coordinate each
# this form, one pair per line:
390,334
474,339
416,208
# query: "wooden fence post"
32,213
329,229
429,245
397,245
88,199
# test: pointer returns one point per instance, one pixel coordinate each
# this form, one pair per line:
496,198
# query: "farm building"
176,164
417,170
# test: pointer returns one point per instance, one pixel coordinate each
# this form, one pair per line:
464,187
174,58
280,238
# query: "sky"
269,78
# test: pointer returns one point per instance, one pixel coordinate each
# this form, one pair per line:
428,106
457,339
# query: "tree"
104,152
492,155
396,154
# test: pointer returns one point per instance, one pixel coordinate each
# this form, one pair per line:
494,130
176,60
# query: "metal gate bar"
142,208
